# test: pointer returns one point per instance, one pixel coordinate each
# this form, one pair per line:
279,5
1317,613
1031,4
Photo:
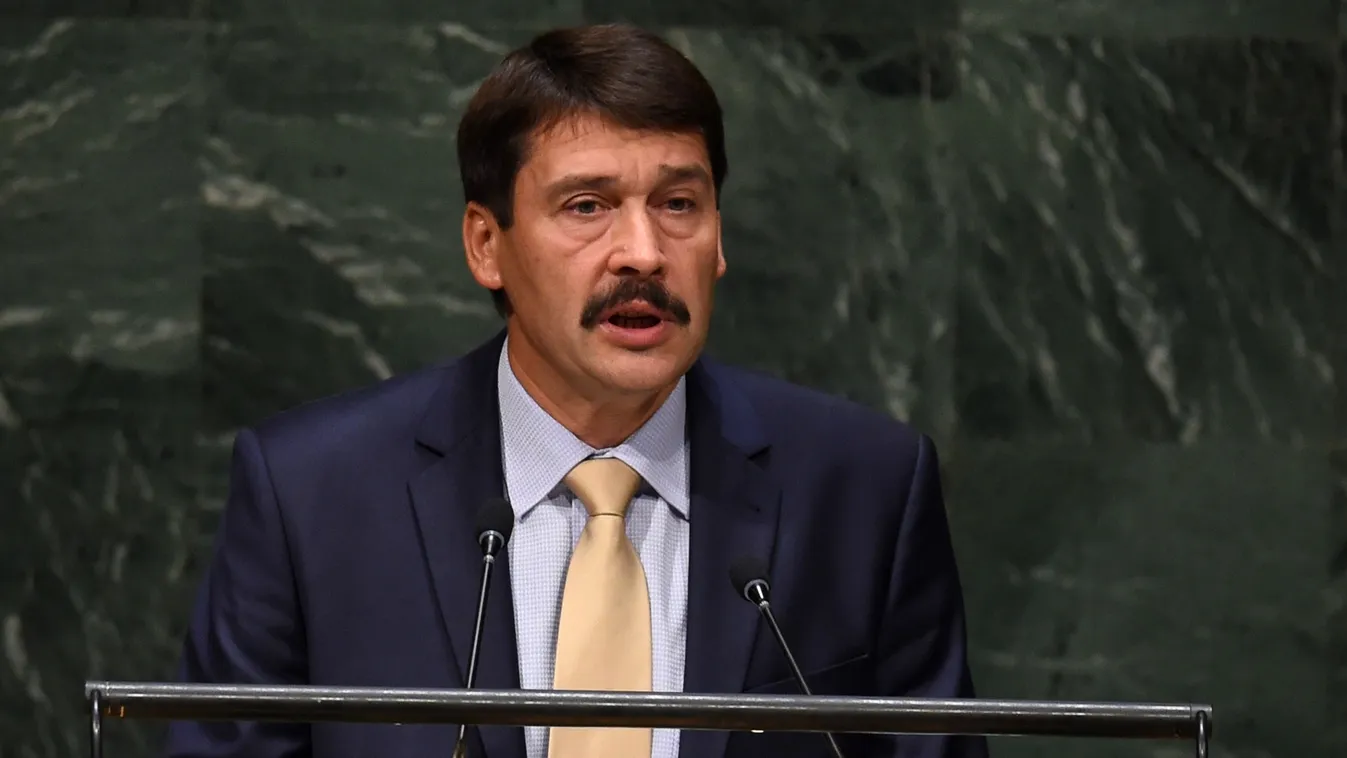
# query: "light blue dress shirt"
537,452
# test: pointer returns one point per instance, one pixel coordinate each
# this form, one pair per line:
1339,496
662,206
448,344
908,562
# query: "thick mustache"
630,290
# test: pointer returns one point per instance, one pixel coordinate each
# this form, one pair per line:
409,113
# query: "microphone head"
745,571
497,516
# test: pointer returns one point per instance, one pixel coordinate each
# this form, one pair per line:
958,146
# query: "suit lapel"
460,439
734,513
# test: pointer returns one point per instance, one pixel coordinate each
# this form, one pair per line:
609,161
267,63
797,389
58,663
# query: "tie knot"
604,485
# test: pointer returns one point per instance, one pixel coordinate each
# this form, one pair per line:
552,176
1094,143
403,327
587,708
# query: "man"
592,162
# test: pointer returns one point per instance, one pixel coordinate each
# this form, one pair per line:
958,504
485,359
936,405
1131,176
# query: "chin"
646,371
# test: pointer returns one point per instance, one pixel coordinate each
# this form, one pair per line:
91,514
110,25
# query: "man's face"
613,257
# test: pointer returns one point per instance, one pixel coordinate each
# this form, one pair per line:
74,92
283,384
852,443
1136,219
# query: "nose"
636,249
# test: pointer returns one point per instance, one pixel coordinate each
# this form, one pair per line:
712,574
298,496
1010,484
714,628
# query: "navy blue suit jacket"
347,556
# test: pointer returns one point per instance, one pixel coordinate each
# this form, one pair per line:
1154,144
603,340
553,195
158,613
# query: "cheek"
699,291
561,288
714,265
536,270
560,268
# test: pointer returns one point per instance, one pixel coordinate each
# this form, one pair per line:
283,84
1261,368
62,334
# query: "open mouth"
634,322
636,325
635,316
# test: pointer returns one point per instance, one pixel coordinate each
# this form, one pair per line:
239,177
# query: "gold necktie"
603,640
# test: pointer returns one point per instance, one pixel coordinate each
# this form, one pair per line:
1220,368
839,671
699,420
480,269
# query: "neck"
599,419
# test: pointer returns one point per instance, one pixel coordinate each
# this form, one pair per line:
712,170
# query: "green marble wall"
1097,248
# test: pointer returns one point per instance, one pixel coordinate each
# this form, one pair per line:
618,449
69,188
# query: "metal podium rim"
739,712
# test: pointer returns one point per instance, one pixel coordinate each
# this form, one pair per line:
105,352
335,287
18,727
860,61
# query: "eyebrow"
668,174
690,172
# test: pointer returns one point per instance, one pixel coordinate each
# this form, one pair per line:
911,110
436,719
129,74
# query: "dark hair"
622,73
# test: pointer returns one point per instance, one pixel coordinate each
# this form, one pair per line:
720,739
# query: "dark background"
1096,248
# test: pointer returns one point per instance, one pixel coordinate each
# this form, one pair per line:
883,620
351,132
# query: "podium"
790,713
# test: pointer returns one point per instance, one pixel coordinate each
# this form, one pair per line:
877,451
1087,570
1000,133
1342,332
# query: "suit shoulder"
366,414
790,410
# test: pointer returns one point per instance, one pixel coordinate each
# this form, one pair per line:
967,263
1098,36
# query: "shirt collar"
537,451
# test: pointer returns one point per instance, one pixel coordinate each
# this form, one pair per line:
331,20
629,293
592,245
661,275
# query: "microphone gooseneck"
748,575
495,521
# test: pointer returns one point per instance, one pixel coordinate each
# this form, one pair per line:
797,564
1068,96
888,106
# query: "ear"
720,250
481,245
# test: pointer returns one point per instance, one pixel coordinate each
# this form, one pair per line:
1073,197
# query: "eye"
584,206
682,204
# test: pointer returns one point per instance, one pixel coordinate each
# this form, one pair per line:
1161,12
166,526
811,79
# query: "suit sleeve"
921,647
246,626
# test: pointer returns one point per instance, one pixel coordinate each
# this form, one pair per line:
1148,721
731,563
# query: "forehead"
591,145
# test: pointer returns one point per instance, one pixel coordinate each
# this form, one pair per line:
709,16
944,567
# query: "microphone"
749,577
495,520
